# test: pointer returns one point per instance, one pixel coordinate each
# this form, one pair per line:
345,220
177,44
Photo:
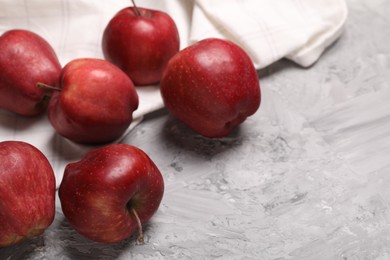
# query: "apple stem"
137,12
140,234
48,87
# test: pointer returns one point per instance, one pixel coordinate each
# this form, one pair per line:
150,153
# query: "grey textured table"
306,177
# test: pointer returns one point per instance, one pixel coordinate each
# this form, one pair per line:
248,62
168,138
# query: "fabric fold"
298,30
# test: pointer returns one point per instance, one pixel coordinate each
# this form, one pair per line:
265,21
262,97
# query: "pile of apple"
211,86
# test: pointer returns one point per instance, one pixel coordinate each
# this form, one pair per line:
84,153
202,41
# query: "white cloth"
299,30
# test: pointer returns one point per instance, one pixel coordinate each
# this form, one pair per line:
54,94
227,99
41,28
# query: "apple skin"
99,192
27,192
211,86
25,59
95,104
141,45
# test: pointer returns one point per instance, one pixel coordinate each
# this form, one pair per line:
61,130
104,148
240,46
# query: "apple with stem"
25,59
211,86
93,103
111,192
141,41
27,192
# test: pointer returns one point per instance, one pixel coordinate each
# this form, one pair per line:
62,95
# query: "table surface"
306,177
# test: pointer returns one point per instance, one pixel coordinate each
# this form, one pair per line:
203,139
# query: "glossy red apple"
141,41
212,86
111,192
94,103
25,59
27,192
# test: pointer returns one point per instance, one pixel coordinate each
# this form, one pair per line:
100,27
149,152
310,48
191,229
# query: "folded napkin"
299,30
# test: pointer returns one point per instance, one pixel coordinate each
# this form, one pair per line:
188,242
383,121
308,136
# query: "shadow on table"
75,246
24,250
177,134
61,241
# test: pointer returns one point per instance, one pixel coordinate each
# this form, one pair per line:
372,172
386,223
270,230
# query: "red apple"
27,192
25,59
141,41
94,103
110,192
212,86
